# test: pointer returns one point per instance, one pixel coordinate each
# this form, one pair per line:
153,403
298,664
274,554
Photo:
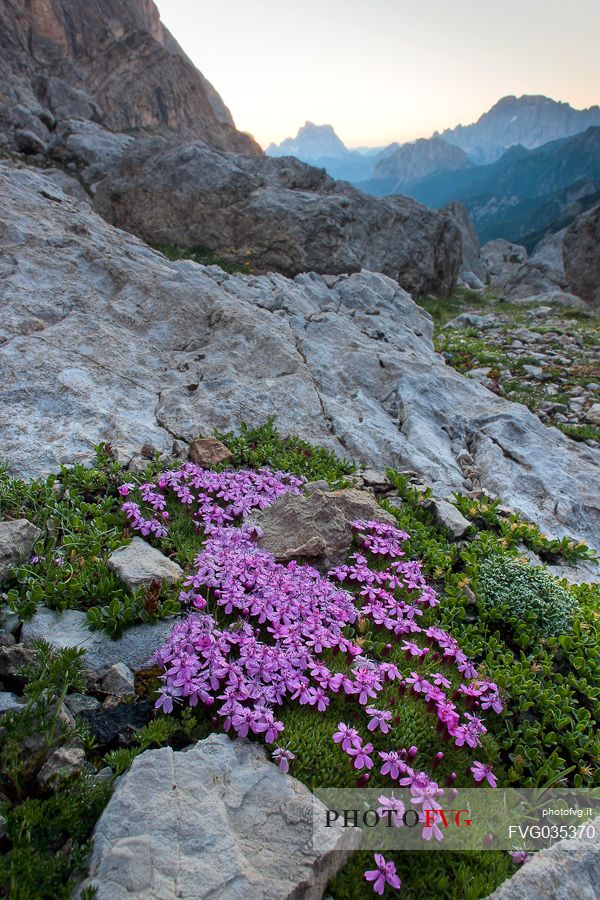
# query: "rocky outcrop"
569,868
473,269
103,339
581,256
215,820
113,62
316,527
276,214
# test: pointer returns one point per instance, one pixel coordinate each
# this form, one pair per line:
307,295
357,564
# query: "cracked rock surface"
174,813
102,339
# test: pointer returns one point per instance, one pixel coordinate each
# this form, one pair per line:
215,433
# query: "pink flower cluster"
382,606
287,616
215,498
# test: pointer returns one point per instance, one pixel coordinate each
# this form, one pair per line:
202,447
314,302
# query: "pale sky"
385,70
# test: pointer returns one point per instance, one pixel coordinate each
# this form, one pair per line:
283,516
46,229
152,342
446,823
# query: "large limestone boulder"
17,538
581,256
317,526
277,214
216,820
568,869
103,339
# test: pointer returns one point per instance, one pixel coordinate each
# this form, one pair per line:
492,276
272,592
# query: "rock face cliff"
111,61
103,339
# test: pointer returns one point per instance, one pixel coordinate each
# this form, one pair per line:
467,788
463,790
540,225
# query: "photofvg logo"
459,819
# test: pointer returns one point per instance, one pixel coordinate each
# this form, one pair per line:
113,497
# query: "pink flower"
125,489
482,772
380,719
385,873
283,758
361,756
347,737
392,764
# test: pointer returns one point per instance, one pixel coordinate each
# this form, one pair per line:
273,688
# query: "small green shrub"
517,590
264,446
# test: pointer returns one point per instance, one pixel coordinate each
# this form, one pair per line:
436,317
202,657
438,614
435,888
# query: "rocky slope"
528,120
103,339
277,215
114,62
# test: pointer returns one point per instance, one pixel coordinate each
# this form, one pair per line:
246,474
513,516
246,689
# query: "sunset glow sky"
385,70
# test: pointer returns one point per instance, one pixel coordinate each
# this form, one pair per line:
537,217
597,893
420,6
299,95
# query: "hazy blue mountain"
530,121
320,146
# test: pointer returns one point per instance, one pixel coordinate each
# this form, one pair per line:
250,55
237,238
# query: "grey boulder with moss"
17,538
138,564
216,820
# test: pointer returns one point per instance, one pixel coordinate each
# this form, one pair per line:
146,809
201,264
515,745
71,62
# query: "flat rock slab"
316,526
217,820
138,564
69,629
568,869
17,538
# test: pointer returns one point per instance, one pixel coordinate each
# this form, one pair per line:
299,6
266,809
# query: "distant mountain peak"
312,143
530,120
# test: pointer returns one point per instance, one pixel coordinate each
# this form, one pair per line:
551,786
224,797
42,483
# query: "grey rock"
12,659
534,371
69,629
309,487
17,537
593,414
568,869
78,703
119,681
479,373
62,764
376,480
10,702
448,516
473,271
105,363
501,259
281,214
7,639
29,142
581,256
138,564
217,820
473,320
317,526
